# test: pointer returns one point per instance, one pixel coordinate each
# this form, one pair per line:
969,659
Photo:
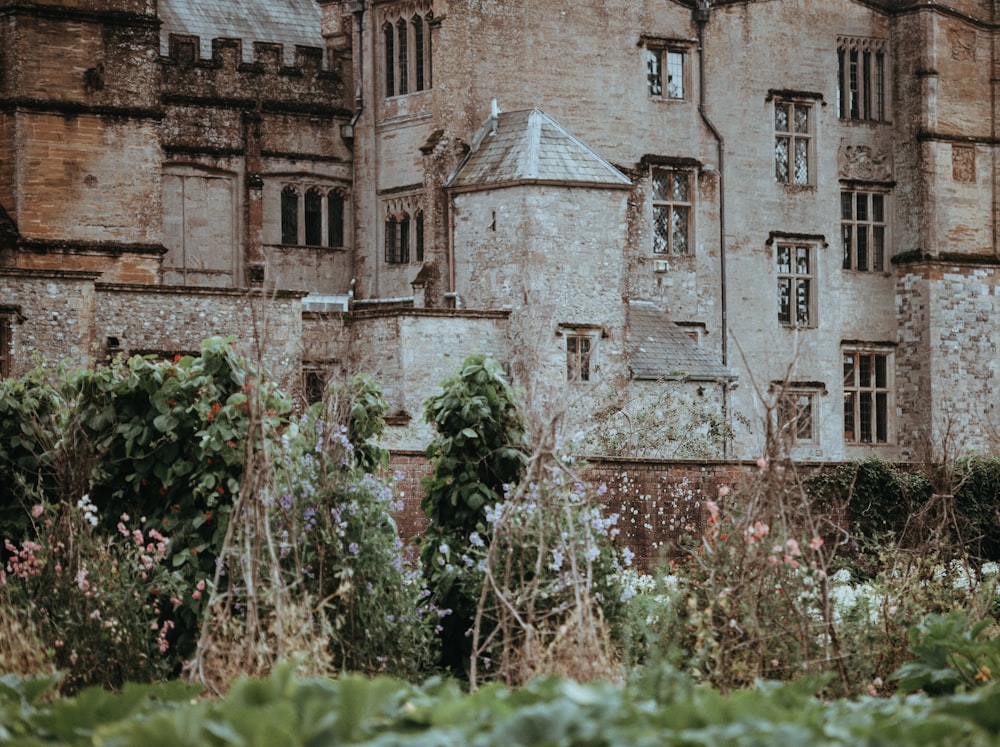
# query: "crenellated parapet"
311,79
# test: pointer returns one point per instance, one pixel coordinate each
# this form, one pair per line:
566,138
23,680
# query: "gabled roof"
660,349
527,147
285,22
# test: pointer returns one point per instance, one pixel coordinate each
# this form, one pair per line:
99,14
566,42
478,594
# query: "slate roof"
528,147
660,349
285,22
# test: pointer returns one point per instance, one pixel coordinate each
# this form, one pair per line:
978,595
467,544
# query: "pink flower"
196,595
200,586
723,491
713,509
815,543
37,510
762,463
793,548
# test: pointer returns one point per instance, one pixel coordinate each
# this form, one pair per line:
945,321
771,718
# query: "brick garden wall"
657,501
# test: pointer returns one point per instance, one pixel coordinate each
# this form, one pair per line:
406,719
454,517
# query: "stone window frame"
869,393
796,280
403,237
297,218
405,50
796,411
872,253
671,204
863,86
795,142
666,58
580,346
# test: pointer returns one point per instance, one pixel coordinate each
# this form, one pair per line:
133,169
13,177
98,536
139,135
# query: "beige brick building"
776,218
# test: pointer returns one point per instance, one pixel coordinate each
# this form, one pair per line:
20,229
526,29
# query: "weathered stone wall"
266,327
53,317
948,364
409,353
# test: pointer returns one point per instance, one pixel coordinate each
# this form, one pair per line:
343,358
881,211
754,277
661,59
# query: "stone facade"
390,185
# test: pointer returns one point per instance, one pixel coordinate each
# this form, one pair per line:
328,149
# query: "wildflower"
762,463
793,548
627,556
475,540
557,560
713,510
353,548
37,510
815,543
723,491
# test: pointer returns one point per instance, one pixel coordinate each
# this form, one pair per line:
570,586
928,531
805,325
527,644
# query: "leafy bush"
977,498
479,449
950,653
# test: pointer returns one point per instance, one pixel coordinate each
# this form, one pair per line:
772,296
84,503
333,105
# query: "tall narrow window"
792,135
672,201
289,216
419,230
5,341
404,239
391,241
335,218
578,358
314,217
418,52
390,60
862,223
675,75
795,286
867,396
401,54
861,72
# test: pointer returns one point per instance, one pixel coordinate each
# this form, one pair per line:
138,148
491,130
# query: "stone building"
742,222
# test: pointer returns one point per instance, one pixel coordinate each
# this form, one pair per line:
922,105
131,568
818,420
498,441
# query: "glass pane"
846,206
784,259
404,239
854,84
781,159
390,62
802,260
840,85
314,218
680,192
878,248
866,76
803,418
881,418
661,229
402,55
653,72
391,249
864,370
335,219
848,231
862,253
289,217
881,371
679,231
801,161
781,117
802,302
675,75
849,433
849,370
661,185
865,416
418,51
801,118
785,300
862,213
878,208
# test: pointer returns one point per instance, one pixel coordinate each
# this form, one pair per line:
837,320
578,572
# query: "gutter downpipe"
702,13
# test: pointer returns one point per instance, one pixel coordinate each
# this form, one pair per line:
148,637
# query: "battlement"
228,54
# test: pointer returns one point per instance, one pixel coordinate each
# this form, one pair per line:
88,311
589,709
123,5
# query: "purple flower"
353,548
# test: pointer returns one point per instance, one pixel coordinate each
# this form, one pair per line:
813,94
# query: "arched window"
289,216
401,54
314,217
335,218
404,238
391,240
390,60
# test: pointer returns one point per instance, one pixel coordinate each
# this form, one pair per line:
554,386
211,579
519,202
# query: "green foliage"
479,449
878,496
338,540
978,500
662,708
951,653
